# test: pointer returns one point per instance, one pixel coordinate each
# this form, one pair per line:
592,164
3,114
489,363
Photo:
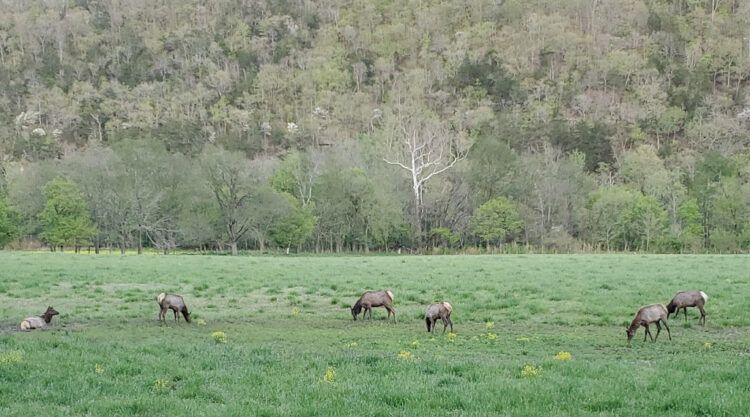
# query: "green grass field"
288,329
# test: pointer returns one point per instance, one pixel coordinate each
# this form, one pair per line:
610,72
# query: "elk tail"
390,294
705,296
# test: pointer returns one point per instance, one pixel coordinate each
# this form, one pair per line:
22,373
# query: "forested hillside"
340,125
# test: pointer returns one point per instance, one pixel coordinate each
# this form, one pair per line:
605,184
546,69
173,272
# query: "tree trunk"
140,241
418,212
234,248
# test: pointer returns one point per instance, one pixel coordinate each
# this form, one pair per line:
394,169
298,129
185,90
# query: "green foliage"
609,210
65,218
690,222
493,163
588,138
496,220
9,222
644,222
444,237
490,75
295,227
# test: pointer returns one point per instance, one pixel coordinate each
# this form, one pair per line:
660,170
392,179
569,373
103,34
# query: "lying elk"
39,322
684,299
654,313
371,299
440,311
173,302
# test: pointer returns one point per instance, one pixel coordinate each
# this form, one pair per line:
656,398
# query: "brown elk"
371,299
173,302
684,299
39,322
653,313
437,311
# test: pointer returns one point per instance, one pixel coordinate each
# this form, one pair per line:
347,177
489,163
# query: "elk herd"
656,314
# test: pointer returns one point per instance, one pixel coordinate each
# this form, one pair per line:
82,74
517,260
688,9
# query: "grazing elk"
684,299
39,322
173,302
653,313
437,311
371,299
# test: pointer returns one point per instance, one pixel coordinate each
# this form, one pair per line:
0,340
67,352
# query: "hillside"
317,125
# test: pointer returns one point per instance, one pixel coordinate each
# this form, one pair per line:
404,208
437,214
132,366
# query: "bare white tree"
424,148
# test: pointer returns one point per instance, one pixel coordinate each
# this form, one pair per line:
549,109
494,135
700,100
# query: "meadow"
288,345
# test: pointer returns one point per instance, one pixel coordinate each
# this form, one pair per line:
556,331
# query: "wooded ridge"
376,125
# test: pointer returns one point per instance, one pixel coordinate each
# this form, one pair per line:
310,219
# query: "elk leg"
451,323
703,316
445,324
393,310
658,330
667,327
163,314
684,310
648,333
175,315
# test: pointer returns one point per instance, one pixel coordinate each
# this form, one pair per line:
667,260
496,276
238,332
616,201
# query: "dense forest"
358,125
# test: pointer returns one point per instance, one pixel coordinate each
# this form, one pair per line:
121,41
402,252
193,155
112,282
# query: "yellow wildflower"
295,312
161,385
451,337
200,322
219,337
415,344
489,325
11,357
98,369
707,345
404,354
531,371
563,356
330,375
491,336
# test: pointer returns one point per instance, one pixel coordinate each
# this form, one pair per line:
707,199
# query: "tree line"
375,125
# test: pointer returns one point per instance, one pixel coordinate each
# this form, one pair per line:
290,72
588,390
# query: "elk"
39,322
173,302
371,299
684,299
437,311
653,313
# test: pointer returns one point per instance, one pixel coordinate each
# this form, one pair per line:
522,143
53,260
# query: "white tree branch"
397,163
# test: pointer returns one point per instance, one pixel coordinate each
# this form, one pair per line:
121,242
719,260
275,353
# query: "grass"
289,346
